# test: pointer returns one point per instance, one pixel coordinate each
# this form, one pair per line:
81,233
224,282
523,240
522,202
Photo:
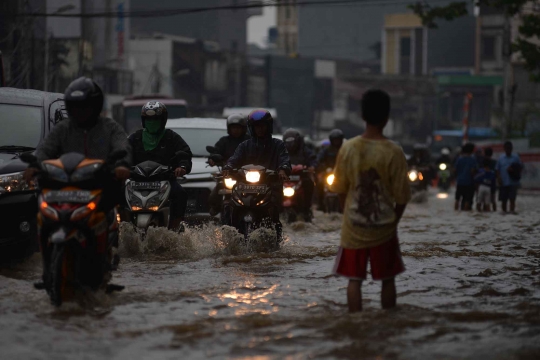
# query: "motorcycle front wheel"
62,275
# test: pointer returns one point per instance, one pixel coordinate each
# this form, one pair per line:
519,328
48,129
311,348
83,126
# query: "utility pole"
508,79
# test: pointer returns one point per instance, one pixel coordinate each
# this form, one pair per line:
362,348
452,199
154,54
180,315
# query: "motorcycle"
251,202
331,199
223,184
293,194
76,236
147,193
417,180
444,176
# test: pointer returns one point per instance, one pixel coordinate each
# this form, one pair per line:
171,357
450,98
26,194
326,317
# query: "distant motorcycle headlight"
288,191
330,179
14,182
253,176
413,175
443,167
229,183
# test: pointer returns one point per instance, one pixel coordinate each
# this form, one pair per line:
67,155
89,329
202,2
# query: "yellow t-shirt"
373,174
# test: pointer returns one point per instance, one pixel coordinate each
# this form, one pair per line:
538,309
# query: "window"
488,47
405,55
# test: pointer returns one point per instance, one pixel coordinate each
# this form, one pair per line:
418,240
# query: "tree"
528,30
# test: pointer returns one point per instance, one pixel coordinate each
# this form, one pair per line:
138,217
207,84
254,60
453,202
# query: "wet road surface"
471,290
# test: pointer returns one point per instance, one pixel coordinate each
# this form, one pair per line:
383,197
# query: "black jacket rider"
327,158
270,153
226,146
304,156
164,152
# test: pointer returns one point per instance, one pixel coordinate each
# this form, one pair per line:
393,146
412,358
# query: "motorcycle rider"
86,132
327,159
155,143
445,157
261,149
300,154
226,146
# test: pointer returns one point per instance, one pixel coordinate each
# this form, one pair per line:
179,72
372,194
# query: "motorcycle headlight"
288,191
413,175
330,179
442,167
14,182
55,173
253,176
229,183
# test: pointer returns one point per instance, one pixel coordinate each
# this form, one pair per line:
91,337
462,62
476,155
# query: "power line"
182,11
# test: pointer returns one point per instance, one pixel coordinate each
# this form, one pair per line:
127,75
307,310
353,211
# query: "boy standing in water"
371,171
486,181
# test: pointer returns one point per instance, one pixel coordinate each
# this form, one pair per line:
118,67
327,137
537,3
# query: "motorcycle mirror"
28,158
211,149
216,158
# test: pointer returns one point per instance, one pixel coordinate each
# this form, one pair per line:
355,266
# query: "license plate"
77,196
252,189
155,185
294,177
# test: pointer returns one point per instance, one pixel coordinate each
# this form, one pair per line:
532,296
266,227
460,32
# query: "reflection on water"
471,290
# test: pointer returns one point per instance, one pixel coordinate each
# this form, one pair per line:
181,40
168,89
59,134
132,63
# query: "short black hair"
468,148
376,107
488,152
508,143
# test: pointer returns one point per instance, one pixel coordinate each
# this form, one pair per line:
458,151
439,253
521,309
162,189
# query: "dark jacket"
164,152
327,158
304,157
270,153
97,142
226,146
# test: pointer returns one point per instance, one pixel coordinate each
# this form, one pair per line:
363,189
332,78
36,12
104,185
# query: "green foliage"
529,29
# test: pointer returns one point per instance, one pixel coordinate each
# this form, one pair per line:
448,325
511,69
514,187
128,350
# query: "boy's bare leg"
479,207
504,207
487,208
494,202
354,295
466,206
388,293
512,205
456,205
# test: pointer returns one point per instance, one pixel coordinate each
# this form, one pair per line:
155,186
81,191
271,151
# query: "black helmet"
293,139
154,110
336,134
258,116
236,119
83,93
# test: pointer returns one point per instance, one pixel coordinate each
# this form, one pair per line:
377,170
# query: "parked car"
26,118
199,133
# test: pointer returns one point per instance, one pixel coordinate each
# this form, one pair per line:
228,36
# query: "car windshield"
21,125
133,116
199,139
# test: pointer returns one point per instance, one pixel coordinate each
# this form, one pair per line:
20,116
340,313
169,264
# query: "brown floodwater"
471,290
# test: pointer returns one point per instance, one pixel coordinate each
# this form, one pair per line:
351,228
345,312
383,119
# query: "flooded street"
471,290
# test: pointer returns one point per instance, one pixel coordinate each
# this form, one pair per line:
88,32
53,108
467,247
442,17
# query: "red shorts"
386,261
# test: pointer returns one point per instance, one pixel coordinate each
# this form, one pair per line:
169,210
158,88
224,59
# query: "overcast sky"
258,26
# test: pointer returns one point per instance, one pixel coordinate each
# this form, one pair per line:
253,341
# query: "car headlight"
443,167
413,175
288,191
330,179
253,176
229,183
14,182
